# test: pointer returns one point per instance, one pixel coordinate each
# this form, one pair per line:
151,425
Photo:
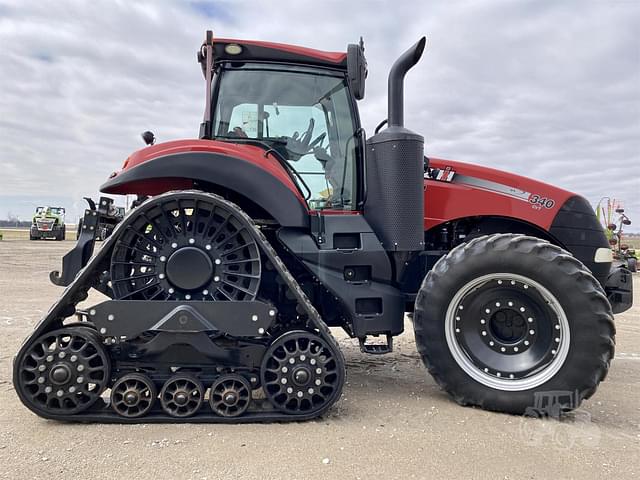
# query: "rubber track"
77,292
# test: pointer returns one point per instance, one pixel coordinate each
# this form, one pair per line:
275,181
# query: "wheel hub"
300,373
230,395
301,376
507,331
64,371
507,325
186,247
181,398
131,398
60,374
189,268
230,398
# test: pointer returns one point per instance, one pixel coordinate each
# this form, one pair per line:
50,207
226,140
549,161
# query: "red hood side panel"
474,190
248,153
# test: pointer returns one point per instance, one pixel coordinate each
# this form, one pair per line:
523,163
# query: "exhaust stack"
399,69
395,170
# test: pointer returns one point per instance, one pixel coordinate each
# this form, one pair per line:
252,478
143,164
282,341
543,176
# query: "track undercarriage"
191,332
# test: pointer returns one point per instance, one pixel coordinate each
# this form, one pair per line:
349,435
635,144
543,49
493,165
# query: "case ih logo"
448,175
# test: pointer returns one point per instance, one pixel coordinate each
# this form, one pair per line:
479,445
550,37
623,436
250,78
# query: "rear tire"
505,316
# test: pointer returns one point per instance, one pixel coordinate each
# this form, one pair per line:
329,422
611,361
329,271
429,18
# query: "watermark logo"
555,421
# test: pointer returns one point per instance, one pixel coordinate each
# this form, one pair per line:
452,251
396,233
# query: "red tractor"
283,219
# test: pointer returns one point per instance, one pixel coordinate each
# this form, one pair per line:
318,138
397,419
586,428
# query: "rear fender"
269,188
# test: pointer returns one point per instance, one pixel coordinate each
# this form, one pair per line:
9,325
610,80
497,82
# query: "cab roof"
254,50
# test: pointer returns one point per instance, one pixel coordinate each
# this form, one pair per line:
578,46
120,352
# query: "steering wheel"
305,138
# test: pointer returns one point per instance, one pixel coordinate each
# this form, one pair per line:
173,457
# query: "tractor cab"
297,102
303,115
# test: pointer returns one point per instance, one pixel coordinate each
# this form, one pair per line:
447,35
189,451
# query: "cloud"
544,89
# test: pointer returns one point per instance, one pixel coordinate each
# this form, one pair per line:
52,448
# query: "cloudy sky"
546,89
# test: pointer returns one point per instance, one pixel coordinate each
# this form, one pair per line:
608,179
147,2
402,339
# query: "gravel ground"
392,422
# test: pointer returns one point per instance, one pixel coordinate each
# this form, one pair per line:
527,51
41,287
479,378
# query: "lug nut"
217,261
174,245
285,369
216,278
208,247
254,318
42,368
289,390
161,276
49,358
62,355
163,258
187,297
283,381
318,382
41,380
47,389
312,361
272,313
192,241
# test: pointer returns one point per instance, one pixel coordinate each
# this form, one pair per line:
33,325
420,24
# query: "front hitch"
94,220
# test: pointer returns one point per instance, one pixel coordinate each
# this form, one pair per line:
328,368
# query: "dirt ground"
392,422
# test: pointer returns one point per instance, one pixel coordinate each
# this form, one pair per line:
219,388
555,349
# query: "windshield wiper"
265,140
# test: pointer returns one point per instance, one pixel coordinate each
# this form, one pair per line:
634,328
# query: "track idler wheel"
301,373
230,396
133,395
63,372
181,396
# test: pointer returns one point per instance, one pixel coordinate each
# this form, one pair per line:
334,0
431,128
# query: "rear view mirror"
626,221
148,137
356,69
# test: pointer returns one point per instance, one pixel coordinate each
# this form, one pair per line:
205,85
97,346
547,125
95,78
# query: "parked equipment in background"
48,222
283,219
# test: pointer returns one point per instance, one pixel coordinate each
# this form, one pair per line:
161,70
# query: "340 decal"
541,202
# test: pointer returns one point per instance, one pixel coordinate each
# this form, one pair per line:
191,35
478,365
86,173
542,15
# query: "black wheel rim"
300,373
230,396
185,247
181,396
65,371
507,331
133,396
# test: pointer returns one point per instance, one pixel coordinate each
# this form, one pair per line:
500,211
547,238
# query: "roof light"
233,49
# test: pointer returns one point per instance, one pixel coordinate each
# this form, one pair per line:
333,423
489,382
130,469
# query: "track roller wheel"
181,396
63,372
133,395
230,396
300,373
